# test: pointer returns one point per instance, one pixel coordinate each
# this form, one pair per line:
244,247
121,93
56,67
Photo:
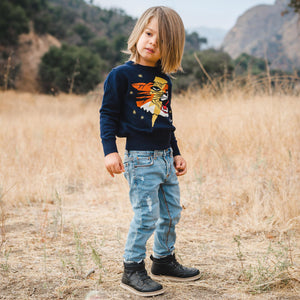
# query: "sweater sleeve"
110,111
174,145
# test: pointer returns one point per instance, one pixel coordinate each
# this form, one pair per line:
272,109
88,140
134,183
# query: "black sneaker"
169,268
136,280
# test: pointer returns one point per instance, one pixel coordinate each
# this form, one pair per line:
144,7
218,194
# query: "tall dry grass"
243,154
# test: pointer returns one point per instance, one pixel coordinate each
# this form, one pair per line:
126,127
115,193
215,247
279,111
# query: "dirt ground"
67,248
64,220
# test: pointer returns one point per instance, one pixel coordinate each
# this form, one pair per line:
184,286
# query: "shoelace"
177,264
143,275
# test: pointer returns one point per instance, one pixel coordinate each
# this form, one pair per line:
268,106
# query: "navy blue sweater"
137,105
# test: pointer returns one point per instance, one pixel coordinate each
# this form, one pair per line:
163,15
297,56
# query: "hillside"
32,27
88,41
265,31
31,48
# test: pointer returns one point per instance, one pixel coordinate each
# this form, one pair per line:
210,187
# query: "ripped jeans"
155,199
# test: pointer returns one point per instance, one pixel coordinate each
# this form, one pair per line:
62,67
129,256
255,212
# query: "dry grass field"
64,220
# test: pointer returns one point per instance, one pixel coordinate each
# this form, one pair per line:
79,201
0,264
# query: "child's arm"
113,163
109,122
180,165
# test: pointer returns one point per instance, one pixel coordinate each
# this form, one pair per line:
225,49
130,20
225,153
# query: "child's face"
147,45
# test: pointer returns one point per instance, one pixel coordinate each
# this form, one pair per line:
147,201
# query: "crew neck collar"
132,63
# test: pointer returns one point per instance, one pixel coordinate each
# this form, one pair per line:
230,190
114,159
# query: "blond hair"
171,37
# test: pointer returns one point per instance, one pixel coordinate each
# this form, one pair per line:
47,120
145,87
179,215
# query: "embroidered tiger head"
153,97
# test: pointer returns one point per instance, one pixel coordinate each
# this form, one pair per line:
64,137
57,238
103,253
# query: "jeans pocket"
127,162
143,161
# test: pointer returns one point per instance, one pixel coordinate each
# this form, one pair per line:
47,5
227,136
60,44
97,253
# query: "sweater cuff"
109,146
175,149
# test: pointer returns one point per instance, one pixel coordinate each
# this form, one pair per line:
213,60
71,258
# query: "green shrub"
70,69
248,64
13,21
215,62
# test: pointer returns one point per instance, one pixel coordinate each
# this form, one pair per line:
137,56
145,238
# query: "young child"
137,105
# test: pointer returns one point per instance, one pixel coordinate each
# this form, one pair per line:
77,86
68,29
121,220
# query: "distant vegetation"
295,4
92,39
70,69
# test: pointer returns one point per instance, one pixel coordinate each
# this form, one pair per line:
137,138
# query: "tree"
9,70
295,4
215,62
15,16
84,32
13,21
70,69
31,7
247,64
193,41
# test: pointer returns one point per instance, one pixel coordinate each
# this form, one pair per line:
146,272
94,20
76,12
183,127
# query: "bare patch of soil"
50,252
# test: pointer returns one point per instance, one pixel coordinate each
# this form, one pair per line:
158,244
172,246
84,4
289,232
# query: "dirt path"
64,249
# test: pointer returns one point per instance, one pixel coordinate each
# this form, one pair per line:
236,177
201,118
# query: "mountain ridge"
267,31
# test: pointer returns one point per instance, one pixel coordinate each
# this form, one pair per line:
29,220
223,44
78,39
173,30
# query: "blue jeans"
155,199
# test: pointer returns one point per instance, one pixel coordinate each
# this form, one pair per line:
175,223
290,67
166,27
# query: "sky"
194,13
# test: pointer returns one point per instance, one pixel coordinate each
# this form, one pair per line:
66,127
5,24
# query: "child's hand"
114,164
180,165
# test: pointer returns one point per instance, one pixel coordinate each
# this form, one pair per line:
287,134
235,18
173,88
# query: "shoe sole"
177,279
143,294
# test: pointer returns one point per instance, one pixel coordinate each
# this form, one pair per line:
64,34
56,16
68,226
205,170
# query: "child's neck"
144,64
